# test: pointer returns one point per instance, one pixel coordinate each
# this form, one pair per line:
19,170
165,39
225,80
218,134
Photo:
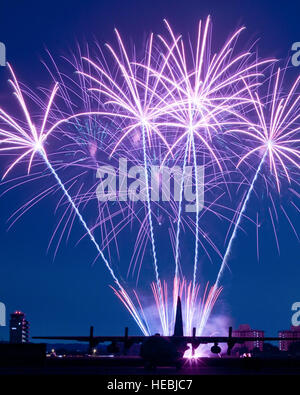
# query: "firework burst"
28,140
275,138
173,105
197,306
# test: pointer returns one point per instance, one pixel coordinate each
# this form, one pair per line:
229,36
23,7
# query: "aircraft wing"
98,339
75,338
221,339
140,339
194,340
178,339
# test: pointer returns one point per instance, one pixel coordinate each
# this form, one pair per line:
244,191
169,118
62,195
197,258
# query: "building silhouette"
293,333
18,328
245,330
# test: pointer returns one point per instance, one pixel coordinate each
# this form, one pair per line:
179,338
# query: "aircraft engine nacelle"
215,349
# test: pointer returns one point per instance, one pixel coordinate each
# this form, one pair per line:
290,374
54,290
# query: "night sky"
66,295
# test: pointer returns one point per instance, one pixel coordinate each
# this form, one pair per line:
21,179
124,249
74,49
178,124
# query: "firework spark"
204,100
28,141
135,100
172,106
275,139
197,306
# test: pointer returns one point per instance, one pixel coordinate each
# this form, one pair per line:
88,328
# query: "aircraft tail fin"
178,327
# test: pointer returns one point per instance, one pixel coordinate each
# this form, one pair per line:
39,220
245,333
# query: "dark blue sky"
67,295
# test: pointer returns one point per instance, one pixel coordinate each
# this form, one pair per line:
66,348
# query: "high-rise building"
18,328
245,330
293,333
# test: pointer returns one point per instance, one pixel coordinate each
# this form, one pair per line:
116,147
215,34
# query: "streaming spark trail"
196,307
196,311
75,208
205,97
32,141
197,216
180,208
127,300
178,101
190,142
237,224
135,101
274,135
140,319
150,218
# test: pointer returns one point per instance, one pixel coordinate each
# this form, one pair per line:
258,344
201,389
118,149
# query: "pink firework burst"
276,133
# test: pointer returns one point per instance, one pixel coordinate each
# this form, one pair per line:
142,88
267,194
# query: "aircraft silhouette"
159,350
